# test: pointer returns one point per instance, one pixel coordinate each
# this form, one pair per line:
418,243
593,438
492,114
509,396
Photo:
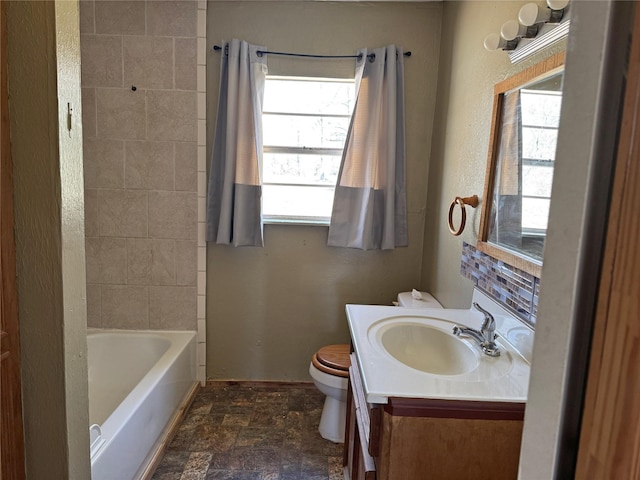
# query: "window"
305,123
540,120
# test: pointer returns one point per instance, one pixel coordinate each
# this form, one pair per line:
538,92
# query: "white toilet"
329,369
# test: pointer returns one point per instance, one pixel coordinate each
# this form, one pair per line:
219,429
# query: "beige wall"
467,74
269,309
43,42
140,156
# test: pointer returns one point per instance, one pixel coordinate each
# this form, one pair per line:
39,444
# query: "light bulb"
557,4
512,29
557,9
493,41
531,13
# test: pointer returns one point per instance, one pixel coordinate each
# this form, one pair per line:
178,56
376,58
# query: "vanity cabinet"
415,439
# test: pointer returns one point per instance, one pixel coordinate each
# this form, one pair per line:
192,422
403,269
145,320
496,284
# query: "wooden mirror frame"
510,257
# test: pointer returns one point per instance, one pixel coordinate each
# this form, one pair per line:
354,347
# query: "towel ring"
471,201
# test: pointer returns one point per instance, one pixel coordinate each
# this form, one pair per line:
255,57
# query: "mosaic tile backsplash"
510,286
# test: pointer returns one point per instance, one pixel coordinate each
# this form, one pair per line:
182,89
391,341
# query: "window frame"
302,151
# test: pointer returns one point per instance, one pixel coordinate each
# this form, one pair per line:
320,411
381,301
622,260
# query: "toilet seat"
333,359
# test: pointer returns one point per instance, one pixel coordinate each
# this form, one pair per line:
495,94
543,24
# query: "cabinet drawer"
359,465
370,415
360,424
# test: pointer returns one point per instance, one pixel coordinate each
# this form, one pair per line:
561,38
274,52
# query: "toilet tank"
426,300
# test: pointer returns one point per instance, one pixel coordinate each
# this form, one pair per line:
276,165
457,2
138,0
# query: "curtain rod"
371,56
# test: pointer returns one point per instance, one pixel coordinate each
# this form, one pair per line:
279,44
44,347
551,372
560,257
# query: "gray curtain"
370,207
234,197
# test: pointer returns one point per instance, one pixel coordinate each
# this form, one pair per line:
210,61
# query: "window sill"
308,222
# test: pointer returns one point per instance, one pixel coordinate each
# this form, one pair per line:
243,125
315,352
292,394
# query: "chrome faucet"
485,336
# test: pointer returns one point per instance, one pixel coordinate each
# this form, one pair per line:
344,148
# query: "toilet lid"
335,356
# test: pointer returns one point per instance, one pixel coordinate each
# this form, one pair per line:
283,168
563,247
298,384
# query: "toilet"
329,369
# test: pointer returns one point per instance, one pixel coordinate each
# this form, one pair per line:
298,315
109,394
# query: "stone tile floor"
243,431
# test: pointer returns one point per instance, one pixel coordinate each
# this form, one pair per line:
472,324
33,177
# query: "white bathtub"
137,381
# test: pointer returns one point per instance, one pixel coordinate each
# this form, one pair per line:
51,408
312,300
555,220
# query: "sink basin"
412,353
428,349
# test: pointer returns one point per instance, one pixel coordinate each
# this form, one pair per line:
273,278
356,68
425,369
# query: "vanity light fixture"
538,25
532,13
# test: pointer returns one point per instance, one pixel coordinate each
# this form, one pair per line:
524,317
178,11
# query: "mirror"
517,191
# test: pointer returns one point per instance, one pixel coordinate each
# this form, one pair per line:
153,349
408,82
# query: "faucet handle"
489,322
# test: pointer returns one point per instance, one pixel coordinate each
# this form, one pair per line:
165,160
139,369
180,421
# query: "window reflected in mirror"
521,163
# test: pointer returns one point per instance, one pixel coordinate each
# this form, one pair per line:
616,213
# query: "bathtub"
137,382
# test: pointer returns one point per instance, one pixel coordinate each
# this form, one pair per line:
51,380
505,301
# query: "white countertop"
503,379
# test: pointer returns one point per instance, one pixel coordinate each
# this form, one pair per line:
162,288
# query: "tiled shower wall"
143,79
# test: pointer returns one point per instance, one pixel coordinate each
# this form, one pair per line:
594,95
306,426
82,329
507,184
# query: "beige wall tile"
131,160
149,165
202,129
186,166
186,262
202,158
120,17
202,80
171,116
202,201
172,215
122,213
148,62
202,191
103,163
93,306
186,74
202,23
151,262
106,260
101,60
88,112
201,230
202,101
120,113
172,308
125,306
172,18
90,212
87,24
202,51
201,283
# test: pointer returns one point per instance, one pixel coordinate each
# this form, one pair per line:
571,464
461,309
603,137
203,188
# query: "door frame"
610,433
11,421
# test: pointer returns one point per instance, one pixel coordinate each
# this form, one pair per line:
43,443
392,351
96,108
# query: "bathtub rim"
186,336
